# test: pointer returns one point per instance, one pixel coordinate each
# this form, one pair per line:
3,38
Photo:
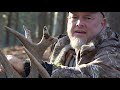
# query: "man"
93,50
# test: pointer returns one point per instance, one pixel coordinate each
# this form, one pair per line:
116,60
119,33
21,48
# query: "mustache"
80,31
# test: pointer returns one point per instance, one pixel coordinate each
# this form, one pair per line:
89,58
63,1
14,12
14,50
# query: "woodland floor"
17,51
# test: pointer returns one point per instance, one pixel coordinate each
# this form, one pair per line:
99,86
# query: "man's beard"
76,43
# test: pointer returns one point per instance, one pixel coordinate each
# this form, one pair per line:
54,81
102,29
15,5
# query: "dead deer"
18,64
10,72
34,51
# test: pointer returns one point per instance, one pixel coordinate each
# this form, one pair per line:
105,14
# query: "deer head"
34,51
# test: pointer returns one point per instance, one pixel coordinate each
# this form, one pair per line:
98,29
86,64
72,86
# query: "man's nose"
79,23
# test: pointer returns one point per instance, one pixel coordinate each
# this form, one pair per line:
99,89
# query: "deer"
34,51
22,66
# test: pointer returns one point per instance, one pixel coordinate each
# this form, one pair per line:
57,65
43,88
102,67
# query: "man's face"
84,26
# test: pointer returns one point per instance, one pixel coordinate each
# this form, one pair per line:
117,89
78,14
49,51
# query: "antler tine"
21,37
10,72
45,30
46,38
27,33
41,69
45,34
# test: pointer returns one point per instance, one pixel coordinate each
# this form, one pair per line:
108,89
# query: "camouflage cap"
101,13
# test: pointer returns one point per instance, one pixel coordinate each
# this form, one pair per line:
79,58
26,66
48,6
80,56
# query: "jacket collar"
103,39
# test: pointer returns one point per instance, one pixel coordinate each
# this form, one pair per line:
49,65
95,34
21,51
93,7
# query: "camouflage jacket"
98,59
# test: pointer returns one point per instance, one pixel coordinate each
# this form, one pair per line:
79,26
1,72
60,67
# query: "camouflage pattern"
98,59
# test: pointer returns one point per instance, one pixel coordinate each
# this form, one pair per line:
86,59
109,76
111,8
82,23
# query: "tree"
59,23
114,20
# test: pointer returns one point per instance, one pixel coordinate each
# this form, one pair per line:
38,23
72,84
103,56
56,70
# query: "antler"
27,33
37,50
9,71
41,69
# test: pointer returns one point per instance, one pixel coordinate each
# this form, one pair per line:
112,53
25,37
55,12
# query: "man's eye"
88,18
75,17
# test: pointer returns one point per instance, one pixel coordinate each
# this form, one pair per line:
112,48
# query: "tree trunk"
58,23
16,25
7,40
114,20
41,19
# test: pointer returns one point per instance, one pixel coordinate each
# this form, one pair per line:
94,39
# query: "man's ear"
104,22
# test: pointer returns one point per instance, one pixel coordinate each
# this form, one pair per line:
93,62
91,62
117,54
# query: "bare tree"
8,24
16,24
41,22
58,23
114,20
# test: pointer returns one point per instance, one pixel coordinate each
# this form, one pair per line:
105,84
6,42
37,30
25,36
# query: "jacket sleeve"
106,64
48,67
